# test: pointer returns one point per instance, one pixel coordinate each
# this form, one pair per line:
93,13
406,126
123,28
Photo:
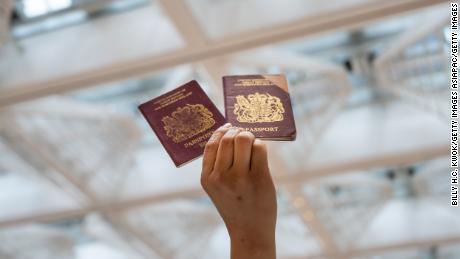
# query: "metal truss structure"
414,67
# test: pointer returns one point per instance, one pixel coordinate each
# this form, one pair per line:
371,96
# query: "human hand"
237,178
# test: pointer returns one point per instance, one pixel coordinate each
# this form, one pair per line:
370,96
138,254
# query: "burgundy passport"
183,119
260,104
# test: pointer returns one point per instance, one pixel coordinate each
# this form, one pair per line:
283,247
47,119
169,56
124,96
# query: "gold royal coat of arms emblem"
187,121
258,107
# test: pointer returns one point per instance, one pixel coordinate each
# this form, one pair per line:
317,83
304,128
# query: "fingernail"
246,132
226,125
213,137
233,131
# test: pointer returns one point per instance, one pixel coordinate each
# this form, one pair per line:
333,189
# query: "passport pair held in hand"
185,118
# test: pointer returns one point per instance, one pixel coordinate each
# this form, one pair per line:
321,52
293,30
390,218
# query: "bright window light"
33,8
58,4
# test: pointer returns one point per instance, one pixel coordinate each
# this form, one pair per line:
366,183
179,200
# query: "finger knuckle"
214,180
211,145
227,140
220,130
245,138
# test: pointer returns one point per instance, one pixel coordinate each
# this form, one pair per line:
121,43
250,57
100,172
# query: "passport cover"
260,104
184,120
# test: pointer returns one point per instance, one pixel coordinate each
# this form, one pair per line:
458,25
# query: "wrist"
254,240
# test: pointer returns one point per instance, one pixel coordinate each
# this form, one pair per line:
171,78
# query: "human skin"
236,176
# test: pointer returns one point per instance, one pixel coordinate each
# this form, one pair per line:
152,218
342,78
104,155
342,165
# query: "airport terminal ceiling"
83,176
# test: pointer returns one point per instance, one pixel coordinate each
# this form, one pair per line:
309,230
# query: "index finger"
210,150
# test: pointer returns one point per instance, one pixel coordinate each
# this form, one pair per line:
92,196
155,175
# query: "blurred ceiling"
82,175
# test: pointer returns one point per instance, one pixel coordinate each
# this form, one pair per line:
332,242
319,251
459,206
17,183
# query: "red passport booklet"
260,104
183,119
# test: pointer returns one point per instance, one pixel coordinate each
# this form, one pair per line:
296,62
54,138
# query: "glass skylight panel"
414,67
87,237
23,185
33,8
179,228
139,33
98,135
225,18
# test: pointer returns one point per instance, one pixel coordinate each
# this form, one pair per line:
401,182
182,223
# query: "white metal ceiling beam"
348,18
185,22
308,215
360,252
195,37
406,158
53,164
404,245
95,203
45,217
49,217
427,28
120,224
390,160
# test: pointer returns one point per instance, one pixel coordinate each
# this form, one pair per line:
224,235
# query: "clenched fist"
237,178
